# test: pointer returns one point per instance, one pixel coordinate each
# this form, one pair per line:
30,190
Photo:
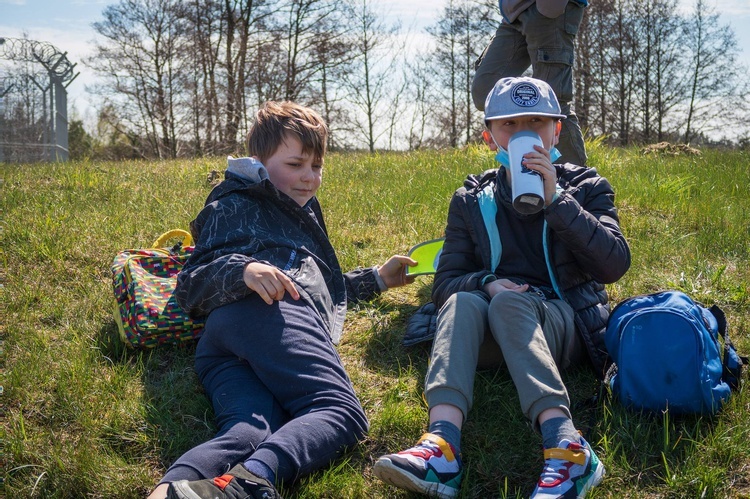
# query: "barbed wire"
8,82
54,61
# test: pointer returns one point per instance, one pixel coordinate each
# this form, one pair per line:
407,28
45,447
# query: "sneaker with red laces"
238,483
431,467
570,471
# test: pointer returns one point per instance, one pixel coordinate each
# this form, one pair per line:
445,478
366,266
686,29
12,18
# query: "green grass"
85,417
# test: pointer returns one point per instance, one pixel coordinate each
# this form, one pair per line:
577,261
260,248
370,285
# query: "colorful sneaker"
430,467
238,483
569,472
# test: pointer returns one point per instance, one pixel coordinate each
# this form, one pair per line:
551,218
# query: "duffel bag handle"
161,242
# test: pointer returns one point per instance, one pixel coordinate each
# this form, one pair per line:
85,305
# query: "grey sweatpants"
534,338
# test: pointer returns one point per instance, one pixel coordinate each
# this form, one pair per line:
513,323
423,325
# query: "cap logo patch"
525,95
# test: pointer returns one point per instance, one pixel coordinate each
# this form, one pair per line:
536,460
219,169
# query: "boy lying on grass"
267,278
521,290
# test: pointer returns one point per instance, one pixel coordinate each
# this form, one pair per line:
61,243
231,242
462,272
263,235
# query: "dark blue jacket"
246,219
583,247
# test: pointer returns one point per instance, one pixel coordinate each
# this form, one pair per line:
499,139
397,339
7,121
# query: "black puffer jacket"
584,247
246,219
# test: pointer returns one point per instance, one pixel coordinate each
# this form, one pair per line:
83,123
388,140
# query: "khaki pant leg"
461,328
538,340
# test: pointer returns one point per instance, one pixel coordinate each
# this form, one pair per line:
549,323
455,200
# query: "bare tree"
306,22
137,59
646,71
335,55
224,40
373,71
717,88
395,111
266,76
205,35
626,51
459,35
664,84
593,59
239,17
420,84
446,57
23,114
648,21
183,77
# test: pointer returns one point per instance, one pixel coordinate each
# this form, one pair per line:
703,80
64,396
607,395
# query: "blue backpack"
667,354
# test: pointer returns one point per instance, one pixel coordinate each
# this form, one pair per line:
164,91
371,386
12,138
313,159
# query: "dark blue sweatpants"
279,392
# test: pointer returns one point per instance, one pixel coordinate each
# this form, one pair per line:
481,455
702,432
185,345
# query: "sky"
66,24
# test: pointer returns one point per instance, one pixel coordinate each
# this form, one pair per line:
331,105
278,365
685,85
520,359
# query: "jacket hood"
247,168
240,175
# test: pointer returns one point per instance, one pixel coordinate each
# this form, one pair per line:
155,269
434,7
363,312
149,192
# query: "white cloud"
726,9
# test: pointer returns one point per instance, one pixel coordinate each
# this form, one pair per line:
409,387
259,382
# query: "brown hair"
275,120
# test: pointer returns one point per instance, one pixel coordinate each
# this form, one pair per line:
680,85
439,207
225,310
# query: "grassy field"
84,417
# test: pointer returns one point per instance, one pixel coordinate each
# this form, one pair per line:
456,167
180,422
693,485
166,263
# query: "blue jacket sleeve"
212,276
361,285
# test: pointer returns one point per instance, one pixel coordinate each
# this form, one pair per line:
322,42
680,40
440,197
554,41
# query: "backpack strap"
732,362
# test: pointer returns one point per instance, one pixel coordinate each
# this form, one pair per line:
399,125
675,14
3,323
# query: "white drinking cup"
526,185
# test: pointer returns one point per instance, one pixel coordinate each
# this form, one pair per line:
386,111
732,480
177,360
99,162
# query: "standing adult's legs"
505,55
551,48
548,46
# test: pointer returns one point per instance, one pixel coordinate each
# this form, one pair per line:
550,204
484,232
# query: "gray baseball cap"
522,96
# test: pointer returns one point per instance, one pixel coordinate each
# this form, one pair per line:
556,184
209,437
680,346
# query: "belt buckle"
538,292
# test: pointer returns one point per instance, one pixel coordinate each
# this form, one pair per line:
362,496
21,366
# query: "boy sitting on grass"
267,277
521,290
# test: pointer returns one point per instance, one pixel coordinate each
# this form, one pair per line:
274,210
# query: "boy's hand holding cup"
527,185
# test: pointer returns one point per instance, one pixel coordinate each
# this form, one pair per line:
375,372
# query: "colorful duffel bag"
144,281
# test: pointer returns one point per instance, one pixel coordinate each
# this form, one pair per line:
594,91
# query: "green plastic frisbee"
427,255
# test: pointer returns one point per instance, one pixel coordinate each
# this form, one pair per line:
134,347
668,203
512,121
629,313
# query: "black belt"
543,292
